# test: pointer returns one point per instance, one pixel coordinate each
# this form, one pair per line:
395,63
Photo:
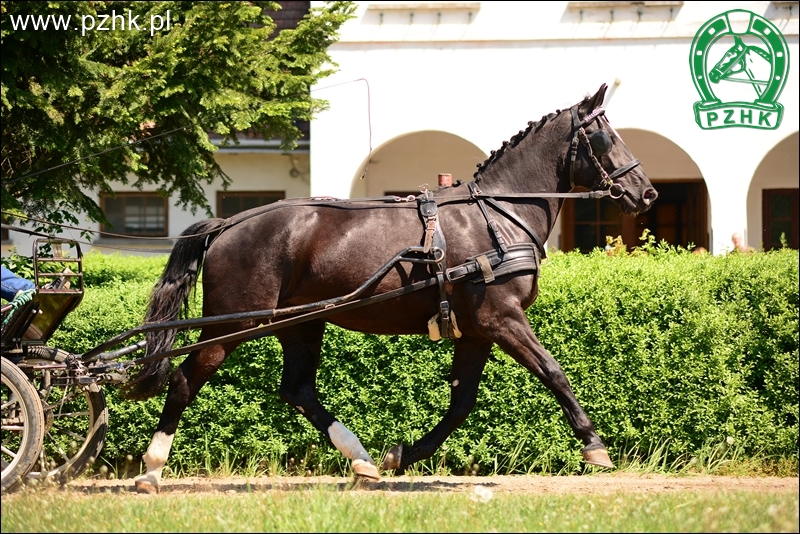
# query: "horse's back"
299,254
306,253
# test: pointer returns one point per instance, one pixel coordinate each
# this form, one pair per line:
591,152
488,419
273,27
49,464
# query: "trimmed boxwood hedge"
663,348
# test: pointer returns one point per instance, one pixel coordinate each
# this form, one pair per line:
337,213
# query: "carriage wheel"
75,417
22,426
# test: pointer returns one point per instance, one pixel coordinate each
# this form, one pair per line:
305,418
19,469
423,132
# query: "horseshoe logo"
737,65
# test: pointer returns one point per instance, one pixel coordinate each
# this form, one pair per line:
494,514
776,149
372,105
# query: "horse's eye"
600,142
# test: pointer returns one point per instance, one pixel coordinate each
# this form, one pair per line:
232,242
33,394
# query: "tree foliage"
68,94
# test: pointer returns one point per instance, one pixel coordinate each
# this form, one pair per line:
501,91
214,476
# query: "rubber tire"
18,385
96,429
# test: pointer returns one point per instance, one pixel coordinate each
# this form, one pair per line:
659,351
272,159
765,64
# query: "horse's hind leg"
469,360
184,384
302,345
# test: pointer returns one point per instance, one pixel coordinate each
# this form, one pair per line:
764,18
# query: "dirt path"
594,484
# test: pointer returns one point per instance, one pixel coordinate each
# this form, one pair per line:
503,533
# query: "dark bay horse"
296,252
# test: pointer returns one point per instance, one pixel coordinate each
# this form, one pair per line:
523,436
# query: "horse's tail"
169,295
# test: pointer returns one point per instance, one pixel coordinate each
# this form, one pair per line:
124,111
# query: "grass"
331,508
327,509
712,459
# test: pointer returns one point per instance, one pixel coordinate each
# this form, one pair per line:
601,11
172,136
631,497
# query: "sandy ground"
593,484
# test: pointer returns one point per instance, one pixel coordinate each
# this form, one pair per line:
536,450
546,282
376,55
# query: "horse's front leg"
514,335
469,360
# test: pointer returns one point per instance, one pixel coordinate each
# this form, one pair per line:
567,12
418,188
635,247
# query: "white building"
435,86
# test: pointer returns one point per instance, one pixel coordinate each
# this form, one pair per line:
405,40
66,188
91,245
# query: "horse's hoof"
146,486
393,457
598,457
364,469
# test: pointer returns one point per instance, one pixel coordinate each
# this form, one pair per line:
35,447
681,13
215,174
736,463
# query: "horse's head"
730,63
599,159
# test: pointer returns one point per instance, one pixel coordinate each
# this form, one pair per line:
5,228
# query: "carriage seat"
35,322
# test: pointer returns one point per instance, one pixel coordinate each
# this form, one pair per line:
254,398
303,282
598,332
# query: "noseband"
599,143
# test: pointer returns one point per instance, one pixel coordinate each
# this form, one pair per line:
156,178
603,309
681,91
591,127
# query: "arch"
404,163
778,170
681,215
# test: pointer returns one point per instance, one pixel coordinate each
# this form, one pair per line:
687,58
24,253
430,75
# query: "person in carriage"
16,290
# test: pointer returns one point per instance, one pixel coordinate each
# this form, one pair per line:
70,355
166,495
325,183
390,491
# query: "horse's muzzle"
650,195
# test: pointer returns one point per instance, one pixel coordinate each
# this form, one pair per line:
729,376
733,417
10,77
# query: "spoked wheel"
22,426
75,418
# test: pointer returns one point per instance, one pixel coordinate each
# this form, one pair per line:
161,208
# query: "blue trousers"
11,283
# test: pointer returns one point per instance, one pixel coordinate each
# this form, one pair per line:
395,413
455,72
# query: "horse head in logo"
741,58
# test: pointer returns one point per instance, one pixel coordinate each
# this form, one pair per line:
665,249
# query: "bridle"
597,143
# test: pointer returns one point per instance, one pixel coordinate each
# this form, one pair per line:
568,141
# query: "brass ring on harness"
440,252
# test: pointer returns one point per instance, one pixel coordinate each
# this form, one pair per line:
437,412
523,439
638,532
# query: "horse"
742,58
294,253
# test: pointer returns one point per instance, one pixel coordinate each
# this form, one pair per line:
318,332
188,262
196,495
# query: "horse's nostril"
650,195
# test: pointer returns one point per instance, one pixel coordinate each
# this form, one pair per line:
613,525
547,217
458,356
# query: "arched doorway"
772,199
401,165
680,216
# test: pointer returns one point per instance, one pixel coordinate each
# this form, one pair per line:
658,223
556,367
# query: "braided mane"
495,155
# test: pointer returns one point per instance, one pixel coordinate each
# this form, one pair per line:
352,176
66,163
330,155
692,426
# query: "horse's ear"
597,100
738,41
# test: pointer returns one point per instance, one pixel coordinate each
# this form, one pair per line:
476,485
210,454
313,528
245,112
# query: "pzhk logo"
765,71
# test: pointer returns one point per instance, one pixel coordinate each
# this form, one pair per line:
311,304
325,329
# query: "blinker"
600,142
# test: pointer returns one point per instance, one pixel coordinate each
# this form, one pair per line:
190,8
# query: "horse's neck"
756,70
535,165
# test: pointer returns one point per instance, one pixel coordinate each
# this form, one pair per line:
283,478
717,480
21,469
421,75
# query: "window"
779,218
229,203
136,214
594,220
679,217
587,222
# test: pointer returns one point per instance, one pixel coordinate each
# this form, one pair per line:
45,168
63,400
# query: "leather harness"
518,257
482,268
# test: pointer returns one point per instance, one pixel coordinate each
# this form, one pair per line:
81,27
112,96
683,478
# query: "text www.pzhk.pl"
110,22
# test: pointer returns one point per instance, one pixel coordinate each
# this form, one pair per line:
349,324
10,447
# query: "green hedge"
663,349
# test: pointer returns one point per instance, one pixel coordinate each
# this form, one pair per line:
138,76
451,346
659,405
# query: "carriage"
468,272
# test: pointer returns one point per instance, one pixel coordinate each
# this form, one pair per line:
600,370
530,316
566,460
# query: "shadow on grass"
417,485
